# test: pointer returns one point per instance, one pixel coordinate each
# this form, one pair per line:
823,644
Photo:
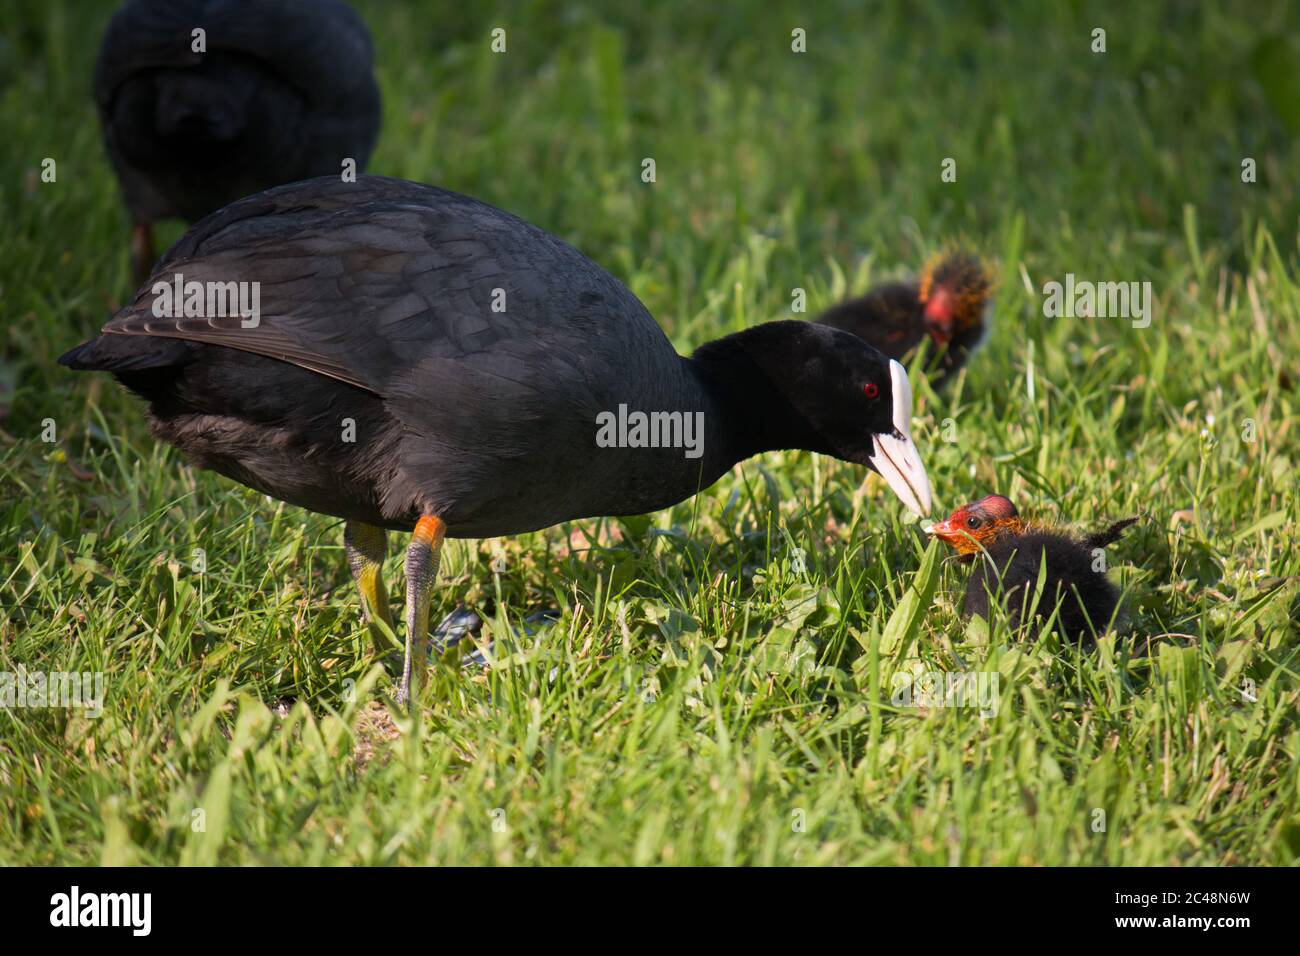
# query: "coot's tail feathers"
1109,535
120,353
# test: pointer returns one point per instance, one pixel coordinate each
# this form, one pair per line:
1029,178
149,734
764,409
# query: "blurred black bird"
270,92
419,358
949,304
1008,554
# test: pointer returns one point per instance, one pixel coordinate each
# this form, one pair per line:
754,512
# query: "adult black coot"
1009,554
270,92
947,305
419,358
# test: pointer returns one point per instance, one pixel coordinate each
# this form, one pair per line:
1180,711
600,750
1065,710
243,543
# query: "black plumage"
946,306
1010,569
283,90
1008,556
473,355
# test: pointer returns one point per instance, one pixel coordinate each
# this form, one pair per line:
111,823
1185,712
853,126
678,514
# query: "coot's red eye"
870,390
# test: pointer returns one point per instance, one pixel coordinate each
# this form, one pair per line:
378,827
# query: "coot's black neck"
748,412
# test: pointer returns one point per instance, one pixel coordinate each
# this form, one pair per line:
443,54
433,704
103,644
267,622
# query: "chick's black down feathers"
946,307
889,317
1012,564
282,90
1110,534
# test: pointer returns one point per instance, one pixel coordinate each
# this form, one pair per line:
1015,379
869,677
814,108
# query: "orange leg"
421,571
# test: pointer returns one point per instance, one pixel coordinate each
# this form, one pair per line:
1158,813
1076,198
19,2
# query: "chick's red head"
954,293
978,524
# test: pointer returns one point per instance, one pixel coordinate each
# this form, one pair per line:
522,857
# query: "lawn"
720,688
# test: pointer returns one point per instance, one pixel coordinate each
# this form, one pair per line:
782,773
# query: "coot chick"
948,304
1008,553
419,358
281,90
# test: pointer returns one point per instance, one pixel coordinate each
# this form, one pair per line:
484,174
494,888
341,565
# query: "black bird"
948,304
1013,552
271,92
419,358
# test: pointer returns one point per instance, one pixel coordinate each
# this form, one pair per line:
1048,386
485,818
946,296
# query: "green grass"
709,697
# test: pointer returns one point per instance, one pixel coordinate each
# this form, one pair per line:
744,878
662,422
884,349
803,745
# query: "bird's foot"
366,546
422,559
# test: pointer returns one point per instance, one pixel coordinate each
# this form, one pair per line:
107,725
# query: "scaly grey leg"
421,571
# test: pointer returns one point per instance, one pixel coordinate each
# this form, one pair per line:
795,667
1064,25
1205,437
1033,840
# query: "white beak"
896,457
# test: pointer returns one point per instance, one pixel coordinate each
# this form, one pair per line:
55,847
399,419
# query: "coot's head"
978,524
954,294
828,391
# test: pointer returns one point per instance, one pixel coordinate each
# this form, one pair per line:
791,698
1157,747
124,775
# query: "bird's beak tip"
896,457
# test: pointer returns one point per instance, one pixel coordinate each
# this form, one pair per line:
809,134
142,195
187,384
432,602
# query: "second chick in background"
948,305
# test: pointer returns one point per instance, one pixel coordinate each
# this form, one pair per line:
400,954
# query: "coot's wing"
393,286
320,47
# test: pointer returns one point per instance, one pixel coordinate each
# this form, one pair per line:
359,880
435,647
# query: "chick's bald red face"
940,315
954,291
978,524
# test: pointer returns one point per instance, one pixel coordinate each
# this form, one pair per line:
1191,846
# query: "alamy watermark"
934,689
179,299
133,911
626,429
1080,298
24,688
